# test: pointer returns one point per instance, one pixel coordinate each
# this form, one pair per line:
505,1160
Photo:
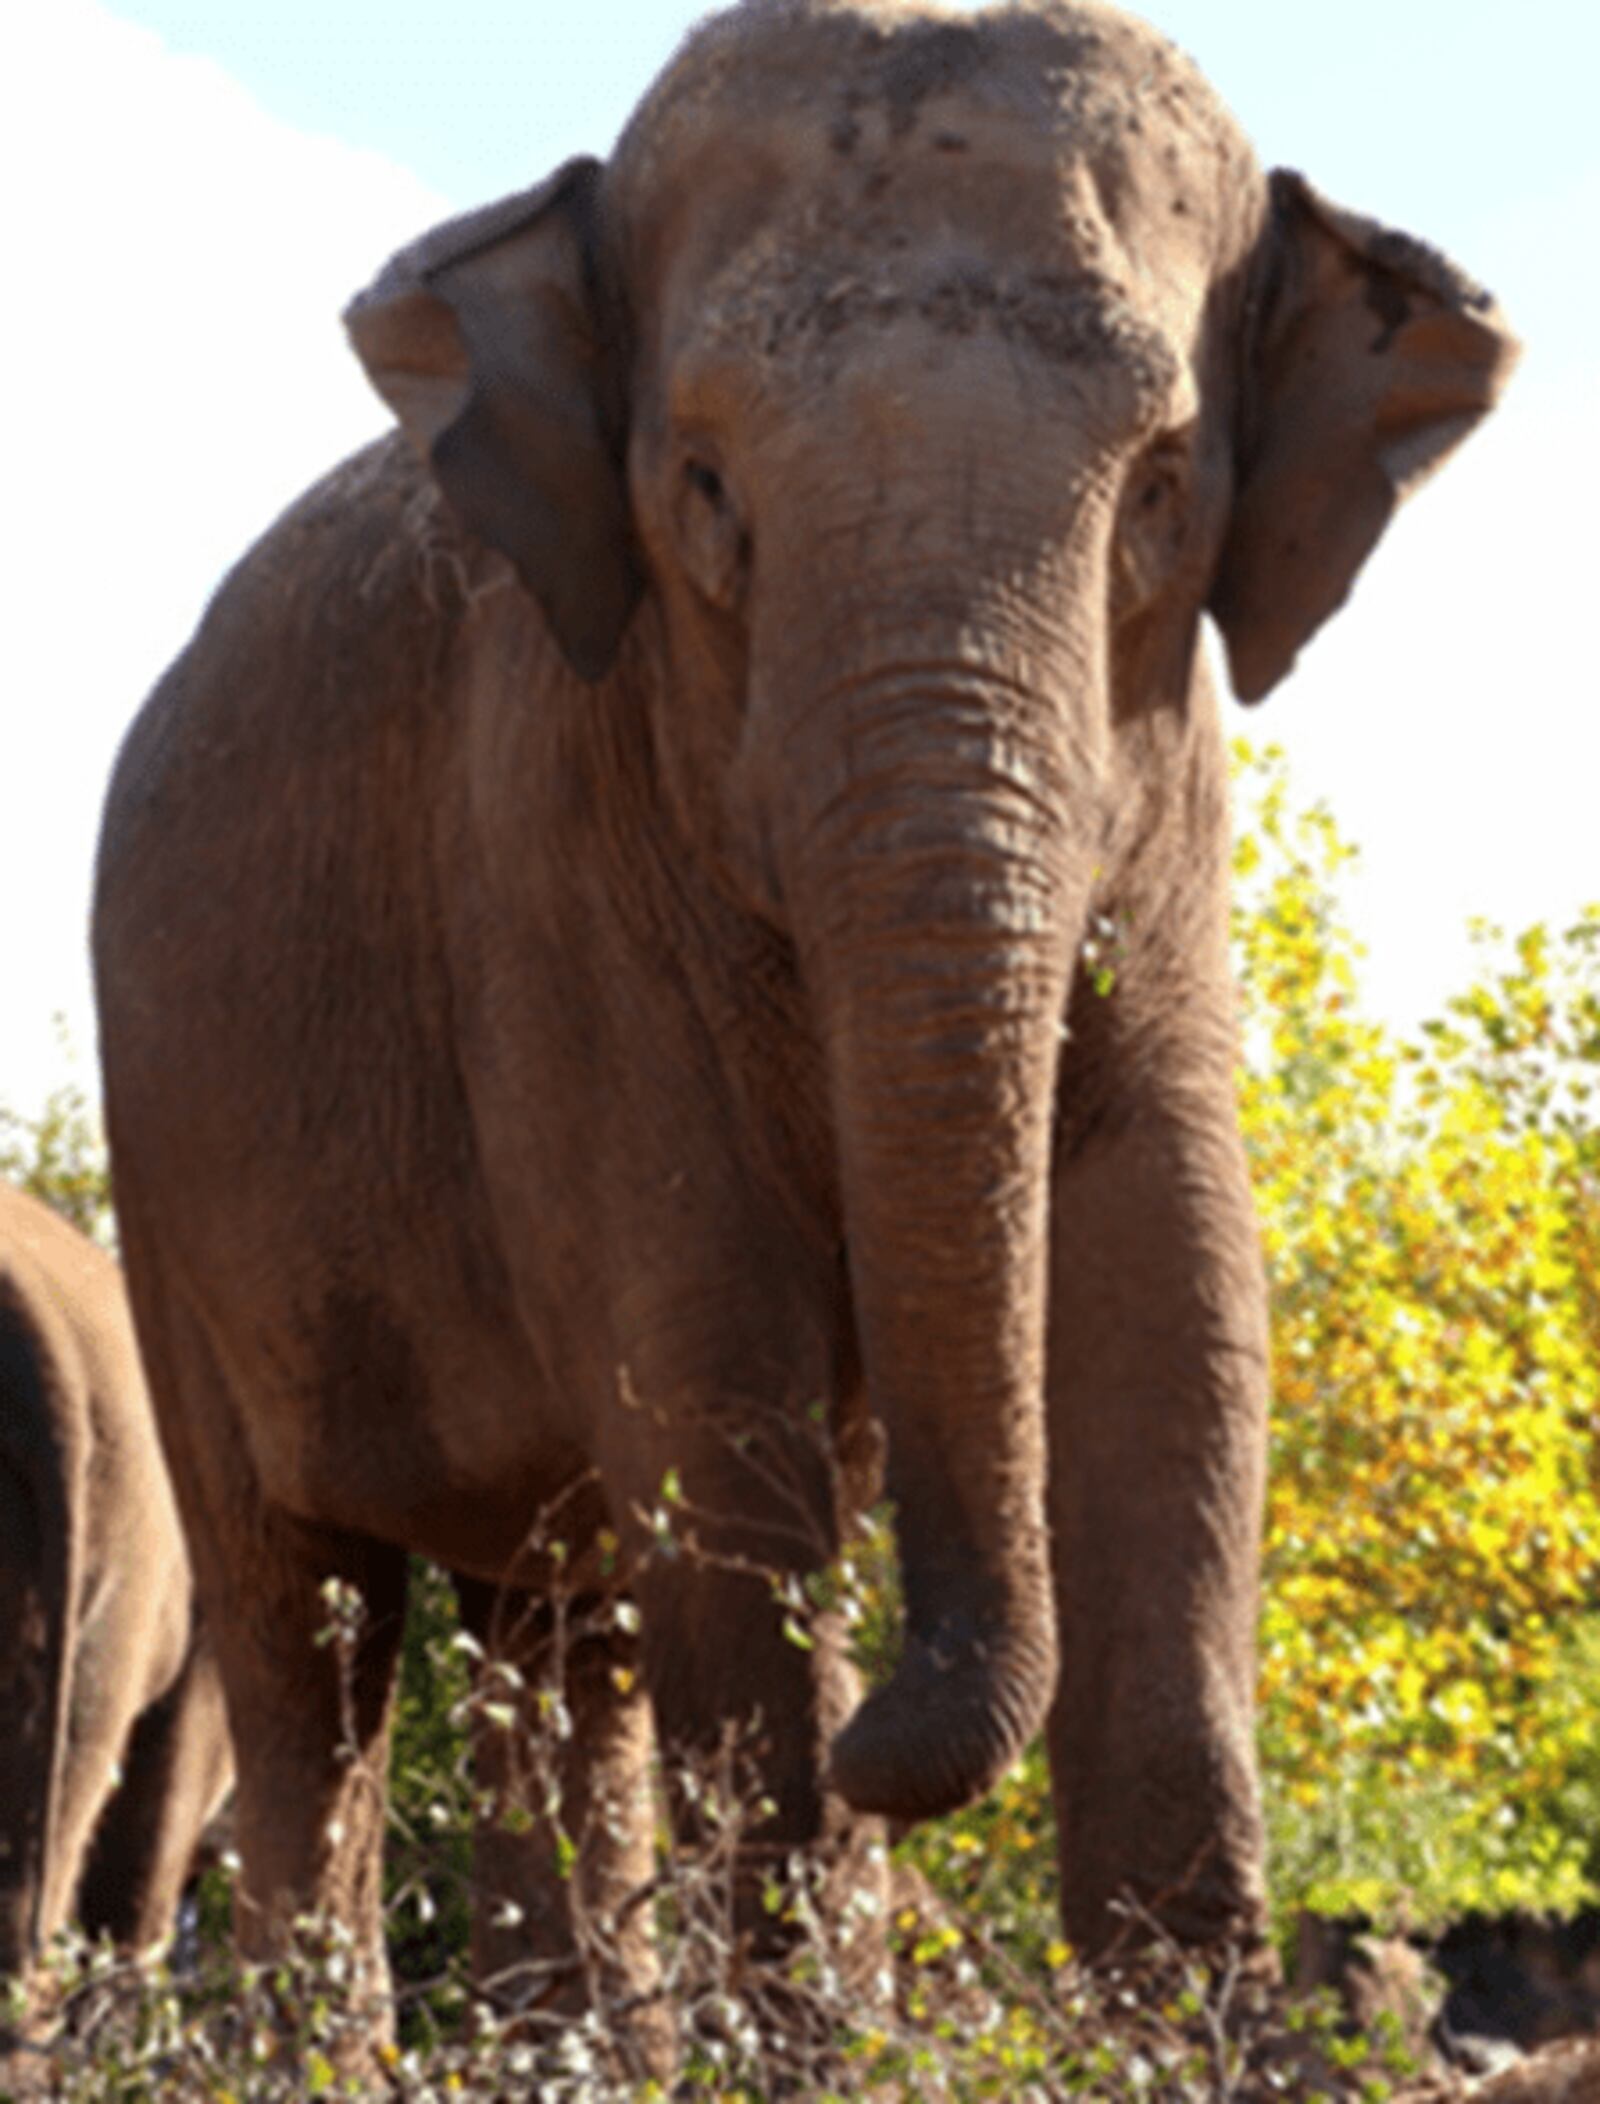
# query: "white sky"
181,237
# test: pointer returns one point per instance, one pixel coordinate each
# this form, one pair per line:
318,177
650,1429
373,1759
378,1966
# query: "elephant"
593,944
115,1752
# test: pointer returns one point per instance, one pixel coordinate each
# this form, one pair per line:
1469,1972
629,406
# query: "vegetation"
1430,1687
1432,1219
59,1156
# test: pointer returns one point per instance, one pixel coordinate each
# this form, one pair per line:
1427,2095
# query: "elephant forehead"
788,299
870,69
806,140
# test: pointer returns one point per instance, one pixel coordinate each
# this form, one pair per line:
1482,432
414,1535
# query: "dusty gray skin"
114,1750
589,934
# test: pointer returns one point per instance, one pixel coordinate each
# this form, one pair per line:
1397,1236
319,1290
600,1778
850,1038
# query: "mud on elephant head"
613,879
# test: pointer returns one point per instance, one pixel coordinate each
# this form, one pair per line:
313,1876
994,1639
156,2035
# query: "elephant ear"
486,339
1371,357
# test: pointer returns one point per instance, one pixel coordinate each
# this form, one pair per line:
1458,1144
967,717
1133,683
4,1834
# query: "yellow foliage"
1432,1228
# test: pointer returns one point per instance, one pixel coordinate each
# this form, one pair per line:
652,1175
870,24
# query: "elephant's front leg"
564,1843
724,1467
1157,1443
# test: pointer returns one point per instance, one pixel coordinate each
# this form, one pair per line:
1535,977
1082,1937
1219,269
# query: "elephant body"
114,1754
603,941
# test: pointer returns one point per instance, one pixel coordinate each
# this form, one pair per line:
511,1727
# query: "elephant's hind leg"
564,1847
306,1624
310,1719
34,1636
175,1773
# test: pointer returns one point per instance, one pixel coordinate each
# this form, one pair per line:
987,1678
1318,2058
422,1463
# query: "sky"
196,187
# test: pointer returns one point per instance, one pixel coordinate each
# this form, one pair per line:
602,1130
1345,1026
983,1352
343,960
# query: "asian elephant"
591,935
113,1748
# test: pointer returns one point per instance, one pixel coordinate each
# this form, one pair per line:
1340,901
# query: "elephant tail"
44,1459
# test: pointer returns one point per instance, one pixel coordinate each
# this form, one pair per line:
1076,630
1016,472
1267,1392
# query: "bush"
60,1156
1433,1538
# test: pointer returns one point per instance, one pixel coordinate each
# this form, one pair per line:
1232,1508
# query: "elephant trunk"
936,890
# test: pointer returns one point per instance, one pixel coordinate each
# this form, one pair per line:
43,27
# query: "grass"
942,1978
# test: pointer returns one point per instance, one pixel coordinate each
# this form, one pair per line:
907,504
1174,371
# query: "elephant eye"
705,480
1152,524
711,536
1159,488
1163,476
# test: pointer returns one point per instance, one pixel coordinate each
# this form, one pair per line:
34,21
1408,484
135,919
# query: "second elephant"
113,1748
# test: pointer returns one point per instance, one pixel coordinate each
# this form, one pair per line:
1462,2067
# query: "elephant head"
882,417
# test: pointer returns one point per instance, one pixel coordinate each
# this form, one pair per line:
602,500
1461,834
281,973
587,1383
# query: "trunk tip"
944,1729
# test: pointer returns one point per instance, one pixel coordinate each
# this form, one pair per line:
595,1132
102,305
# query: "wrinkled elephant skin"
114,1750
591,937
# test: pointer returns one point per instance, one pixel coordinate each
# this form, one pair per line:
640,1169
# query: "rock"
1521,1978
1562,2074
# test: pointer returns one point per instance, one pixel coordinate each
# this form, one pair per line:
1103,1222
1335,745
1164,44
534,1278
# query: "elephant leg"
175,1773
310,1718
306,1623
749,1691
1157,1436
564,1845
35,1652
